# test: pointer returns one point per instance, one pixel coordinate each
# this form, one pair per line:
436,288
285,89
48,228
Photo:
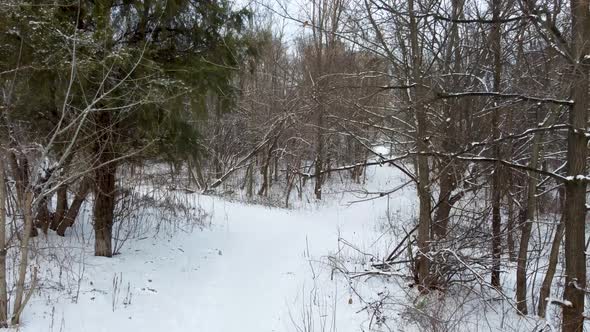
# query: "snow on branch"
562,102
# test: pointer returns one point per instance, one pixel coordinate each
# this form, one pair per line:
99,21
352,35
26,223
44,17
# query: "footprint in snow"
149,290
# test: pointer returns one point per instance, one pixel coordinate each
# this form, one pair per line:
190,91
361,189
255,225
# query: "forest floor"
252,268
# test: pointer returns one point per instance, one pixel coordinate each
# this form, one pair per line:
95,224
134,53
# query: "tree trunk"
72,213
61,207
104,196
545,291
104,206
424,221
575,204
24,259
510,227
529,218
43,217
263,191
3,289
318,158
250,181
443,210
20,173
496,177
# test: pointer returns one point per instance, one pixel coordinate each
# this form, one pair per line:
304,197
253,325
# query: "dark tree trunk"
20,172
545,291
70,216
440,223
529,216
61,207
43,217
423,168
577,152
263,191
510,228
104,206
104,196
496,177
318,167
521,286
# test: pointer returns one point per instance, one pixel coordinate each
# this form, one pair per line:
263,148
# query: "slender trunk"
266,177
319,155
496,178
290,181
320,45
219,140
424,221
529,218
545,291
510,230
3,290
447,183
20,173
276,169
263,191
24,258
250,181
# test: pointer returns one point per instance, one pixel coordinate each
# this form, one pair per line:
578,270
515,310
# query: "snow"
579,177
255,268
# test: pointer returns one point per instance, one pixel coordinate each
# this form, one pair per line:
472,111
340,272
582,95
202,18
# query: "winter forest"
294,166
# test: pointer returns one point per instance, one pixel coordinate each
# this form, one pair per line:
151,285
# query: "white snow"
256,269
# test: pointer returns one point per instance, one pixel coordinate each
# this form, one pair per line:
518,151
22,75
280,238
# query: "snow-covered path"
250,272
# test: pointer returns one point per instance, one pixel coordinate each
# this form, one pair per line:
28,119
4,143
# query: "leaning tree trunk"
545,291
575,186
74,210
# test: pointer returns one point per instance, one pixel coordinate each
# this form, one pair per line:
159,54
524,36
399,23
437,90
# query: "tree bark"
3,289
104,206
529,218
496,177
20,173
61,207
510,227
443,210
24,259
545,291
575,204
104,195
72,213
319,154
424,221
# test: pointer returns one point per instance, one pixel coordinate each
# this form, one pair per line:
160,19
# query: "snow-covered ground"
255,268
